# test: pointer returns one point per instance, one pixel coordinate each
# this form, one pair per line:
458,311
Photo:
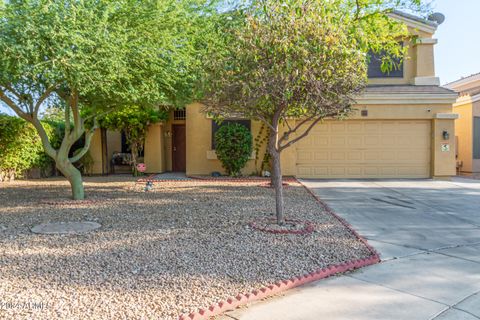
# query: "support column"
443,146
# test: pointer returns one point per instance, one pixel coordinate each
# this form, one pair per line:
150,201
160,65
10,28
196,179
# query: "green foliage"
304,58
98,55
260,141
293,63
233,147
20,145
113,52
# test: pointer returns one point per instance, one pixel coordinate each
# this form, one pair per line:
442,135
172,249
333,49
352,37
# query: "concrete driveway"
428,235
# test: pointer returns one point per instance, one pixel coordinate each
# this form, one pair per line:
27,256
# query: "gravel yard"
180,247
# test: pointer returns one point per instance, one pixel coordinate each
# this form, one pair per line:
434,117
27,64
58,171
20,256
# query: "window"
125,146
375,67
216,126
179,114
476,138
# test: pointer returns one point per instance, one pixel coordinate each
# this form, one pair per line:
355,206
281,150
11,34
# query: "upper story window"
179,114
375,68
216,126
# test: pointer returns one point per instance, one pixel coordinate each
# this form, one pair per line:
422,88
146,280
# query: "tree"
134,122
291,64
233,145
99,55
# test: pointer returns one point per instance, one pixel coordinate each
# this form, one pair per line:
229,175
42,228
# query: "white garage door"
366,149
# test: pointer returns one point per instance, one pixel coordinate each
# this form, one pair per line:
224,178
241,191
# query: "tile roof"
415,18
399,89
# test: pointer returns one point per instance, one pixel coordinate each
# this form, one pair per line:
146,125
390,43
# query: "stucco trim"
467,100
426,81
393,98
447,116
426,41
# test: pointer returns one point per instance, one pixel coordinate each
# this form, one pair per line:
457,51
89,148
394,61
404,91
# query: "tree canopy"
100,55
293,63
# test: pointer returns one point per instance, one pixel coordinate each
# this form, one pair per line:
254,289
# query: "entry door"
179,148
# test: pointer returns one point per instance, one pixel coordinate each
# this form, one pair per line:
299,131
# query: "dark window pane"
476,138
216,126
375,68
125,147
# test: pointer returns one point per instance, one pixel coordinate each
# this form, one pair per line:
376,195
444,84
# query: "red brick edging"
307,229
280,286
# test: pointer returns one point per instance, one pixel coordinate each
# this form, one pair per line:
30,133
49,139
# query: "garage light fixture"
446,135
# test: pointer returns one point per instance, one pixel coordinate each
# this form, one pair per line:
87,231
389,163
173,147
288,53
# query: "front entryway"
179,148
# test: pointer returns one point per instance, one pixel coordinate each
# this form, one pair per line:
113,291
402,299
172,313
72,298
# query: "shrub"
233,147
21,148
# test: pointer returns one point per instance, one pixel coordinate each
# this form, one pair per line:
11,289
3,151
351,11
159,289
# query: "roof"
415,18
463,80
407,89
415,22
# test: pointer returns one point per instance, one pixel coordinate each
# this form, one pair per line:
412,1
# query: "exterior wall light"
446,135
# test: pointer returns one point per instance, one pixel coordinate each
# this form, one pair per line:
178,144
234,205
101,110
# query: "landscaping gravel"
182,246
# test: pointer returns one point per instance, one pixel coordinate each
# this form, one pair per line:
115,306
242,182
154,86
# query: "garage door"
366,149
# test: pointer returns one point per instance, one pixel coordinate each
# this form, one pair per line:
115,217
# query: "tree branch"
14,107
44,137
306,132
298,126
43,97
88,139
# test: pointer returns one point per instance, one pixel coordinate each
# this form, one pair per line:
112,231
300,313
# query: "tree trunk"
276,177
134,153
73,176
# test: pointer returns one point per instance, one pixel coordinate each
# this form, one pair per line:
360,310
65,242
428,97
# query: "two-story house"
403,127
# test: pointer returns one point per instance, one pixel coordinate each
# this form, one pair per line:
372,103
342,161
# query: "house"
467,126
403,127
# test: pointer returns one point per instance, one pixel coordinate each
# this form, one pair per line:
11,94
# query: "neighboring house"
403,127
467,126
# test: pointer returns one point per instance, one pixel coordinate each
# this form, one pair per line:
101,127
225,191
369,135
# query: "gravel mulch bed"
182,246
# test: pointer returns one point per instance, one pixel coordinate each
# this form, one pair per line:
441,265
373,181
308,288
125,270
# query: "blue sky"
458,51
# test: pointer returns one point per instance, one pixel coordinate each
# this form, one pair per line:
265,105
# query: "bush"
21,148
233,147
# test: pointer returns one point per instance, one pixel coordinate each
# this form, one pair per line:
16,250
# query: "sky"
457,53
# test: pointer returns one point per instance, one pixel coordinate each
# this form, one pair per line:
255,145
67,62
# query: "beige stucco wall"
443,162
154,153
201,162
96,152
201,159
464,132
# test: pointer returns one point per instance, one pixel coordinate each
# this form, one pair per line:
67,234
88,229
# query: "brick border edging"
280,286
307,229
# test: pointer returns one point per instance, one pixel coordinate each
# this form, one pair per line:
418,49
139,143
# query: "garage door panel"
366,149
